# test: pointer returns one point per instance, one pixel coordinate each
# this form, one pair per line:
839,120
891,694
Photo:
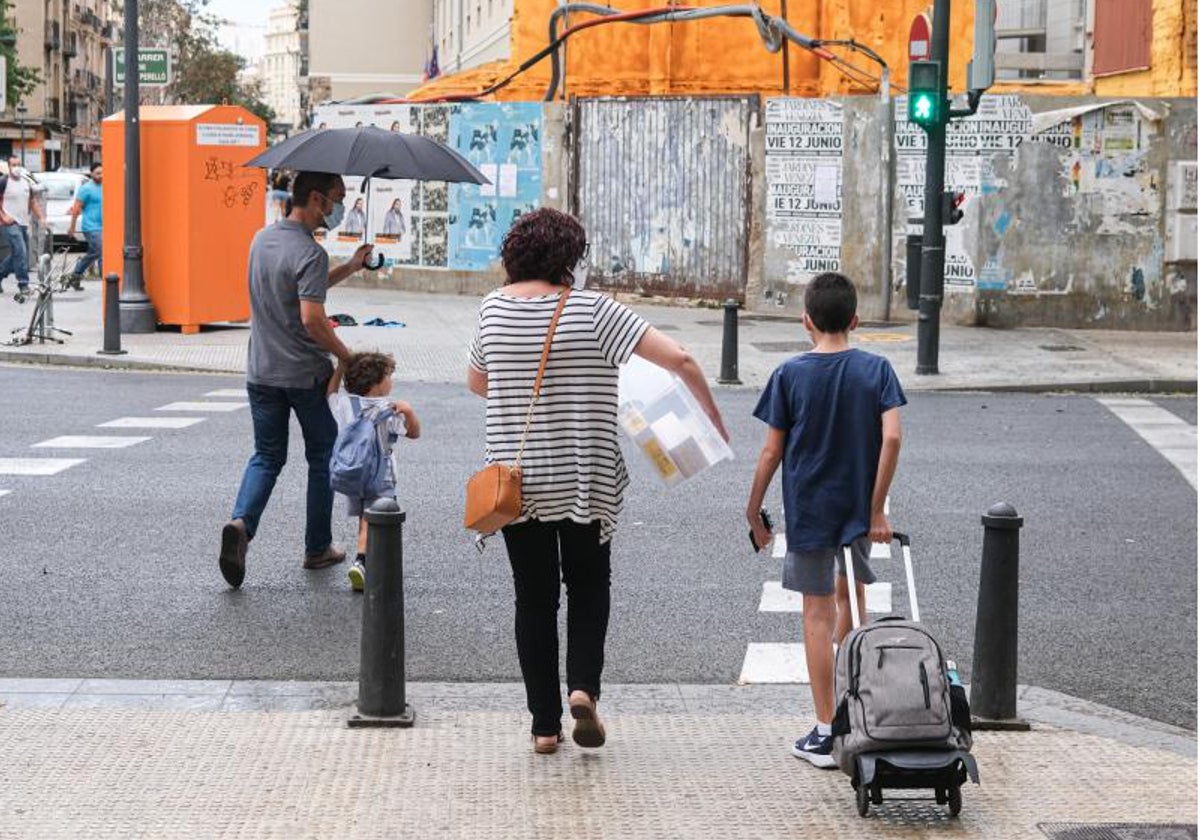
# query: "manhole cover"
882,336
1060,348
1118,831
782,346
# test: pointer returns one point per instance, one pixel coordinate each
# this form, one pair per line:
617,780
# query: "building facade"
471,33
58,123
281,65
361,47
1059,47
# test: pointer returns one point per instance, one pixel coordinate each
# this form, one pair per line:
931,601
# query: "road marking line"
150,423
879,551
239,393
202,406
774,662
1172,437
4,492
776,599
37,466
89,442
779,549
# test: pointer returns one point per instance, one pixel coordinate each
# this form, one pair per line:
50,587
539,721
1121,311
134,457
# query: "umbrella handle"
375,264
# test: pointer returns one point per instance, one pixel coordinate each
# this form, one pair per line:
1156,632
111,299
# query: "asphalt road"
109,568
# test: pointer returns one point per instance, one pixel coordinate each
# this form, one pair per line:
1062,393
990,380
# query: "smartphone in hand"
767,523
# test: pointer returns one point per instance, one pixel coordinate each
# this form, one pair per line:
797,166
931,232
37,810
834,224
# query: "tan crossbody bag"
494,493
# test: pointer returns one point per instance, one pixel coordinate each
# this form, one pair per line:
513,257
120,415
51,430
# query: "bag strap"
537,382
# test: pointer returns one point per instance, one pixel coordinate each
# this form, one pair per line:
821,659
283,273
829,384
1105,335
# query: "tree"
22,79
203,72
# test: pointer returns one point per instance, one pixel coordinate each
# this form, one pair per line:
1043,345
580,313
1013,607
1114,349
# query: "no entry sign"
920,38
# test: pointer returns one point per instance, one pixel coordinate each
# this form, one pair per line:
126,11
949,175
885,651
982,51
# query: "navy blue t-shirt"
830,405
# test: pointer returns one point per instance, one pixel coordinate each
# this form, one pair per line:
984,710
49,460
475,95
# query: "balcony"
54,109
53,36
71,47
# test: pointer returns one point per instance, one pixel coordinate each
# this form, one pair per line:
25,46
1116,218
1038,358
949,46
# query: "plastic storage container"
662,417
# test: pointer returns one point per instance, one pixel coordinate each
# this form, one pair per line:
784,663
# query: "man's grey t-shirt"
286,266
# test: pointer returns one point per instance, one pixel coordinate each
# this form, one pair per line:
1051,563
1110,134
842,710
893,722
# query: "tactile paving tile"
472,775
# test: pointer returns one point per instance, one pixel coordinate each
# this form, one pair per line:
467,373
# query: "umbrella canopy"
370,152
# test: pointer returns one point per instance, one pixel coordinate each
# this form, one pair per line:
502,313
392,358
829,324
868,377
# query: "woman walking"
573,475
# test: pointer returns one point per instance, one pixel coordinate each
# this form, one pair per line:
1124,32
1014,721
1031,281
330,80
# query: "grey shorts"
356,506
811,572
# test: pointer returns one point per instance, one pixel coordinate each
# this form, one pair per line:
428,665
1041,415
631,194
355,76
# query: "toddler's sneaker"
358,575
817,750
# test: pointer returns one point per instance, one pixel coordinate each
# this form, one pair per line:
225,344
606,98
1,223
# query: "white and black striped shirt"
572,466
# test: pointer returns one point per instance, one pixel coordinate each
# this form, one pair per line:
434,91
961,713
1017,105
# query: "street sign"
154,66
920,38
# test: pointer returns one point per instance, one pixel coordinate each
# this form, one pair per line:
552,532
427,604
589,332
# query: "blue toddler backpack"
359,467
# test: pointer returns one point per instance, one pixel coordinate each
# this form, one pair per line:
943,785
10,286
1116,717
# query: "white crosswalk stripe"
773,662
202,406
776,599
151,423
90,442
1173,437
4,492
37,466
239,393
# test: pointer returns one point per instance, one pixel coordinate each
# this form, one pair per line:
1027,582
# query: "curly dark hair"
366,370
544,244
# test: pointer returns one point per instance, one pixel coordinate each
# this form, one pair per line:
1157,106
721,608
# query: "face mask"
335,216
579,275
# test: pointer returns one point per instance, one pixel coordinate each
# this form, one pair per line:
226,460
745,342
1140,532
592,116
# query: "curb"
1148,385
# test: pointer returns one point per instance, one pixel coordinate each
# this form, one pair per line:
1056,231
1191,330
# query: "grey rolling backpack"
891,686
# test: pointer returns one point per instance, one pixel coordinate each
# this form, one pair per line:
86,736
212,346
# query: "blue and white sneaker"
816,750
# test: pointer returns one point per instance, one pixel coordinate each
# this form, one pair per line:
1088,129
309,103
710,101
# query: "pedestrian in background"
573,475
16,209
834,423
288,368
89,204
279,195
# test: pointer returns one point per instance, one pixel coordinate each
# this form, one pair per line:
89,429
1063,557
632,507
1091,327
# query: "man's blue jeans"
270,408
95,241
17,261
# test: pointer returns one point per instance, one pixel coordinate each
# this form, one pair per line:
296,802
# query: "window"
1121,37
1040,39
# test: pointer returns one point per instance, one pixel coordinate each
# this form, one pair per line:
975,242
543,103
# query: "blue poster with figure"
504,140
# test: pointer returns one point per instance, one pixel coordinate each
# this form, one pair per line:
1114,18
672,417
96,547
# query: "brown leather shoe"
234,540
546,744
329,557
588,731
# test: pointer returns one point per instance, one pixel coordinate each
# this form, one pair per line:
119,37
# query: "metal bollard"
994,671
381,690
112,317
729,346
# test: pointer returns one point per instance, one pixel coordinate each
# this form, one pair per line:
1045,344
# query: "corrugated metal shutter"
1121,36
663,187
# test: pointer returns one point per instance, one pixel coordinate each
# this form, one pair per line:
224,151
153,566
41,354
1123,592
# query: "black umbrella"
372,153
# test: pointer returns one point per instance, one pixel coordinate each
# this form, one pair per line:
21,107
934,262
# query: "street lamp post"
137,312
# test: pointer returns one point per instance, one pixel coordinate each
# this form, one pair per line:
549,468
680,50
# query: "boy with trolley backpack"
834,424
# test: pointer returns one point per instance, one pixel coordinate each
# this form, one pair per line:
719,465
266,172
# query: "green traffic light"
923,108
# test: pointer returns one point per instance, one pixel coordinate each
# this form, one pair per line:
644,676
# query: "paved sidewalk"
431,347
681,762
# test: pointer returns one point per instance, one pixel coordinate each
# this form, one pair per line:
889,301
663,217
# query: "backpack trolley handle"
906,551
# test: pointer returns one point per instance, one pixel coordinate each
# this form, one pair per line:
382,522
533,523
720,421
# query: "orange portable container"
200,208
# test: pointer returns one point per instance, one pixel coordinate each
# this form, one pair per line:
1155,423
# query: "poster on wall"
999,127
504,140
804,184
407,219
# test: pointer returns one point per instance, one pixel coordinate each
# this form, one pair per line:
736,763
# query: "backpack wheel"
955,799
862,798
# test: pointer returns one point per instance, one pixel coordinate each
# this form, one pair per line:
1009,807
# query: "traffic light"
926,102
951,201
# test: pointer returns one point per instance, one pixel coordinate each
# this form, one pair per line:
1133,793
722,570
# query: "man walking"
15,210
288,368
88,204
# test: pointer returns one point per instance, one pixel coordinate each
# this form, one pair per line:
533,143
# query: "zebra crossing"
785,662
224,401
